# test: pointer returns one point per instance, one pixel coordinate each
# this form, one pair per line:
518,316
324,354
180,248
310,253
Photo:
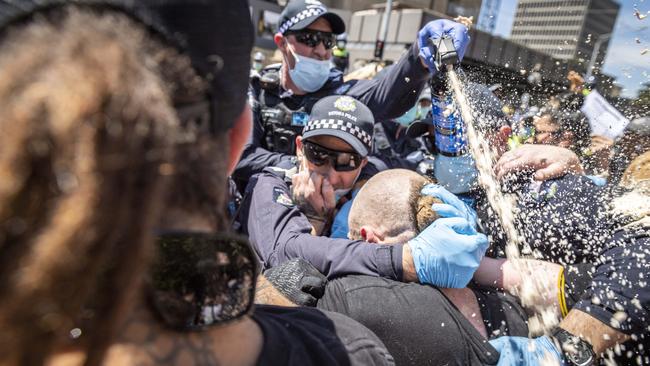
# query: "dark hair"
88,134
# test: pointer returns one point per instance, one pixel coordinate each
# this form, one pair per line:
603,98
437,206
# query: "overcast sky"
624,59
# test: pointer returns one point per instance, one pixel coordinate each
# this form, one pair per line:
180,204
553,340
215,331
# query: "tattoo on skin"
148,343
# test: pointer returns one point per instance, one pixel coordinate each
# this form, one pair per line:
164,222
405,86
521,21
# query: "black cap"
299,14
343,117
193,27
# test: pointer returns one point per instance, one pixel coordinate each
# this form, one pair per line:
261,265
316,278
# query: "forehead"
320,24
333,143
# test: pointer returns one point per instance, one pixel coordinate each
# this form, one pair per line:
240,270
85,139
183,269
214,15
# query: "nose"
334,177
321,52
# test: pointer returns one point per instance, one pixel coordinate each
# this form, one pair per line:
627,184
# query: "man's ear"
238,136
370,235
280,41
299,145
364,162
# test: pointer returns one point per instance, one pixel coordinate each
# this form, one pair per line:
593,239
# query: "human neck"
466,303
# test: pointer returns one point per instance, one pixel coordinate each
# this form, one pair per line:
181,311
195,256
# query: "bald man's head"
390,209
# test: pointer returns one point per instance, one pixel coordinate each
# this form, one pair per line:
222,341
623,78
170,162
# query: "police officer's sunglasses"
200,280
312,38
341,161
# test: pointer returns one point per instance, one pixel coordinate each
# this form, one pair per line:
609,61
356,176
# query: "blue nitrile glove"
436,29
520,351
448,252
452,207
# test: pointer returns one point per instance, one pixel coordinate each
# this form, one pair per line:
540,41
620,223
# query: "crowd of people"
162,202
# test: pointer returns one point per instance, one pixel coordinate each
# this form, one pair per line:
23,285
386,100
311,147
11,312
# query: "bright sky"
630,38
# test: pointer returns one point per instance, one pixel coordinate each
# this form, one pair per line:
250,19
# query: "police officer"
285,208
282,98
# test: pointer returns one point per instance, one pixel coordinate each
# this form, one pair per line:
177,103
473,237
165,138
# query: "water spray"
447,61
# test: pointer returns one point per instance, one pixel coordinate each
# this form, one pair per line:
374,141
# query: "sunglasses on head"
199,280
341,161
312,38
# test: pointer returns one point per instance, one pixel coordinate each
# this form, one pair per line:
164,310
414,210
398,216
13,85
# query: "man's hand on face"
546,161
312,191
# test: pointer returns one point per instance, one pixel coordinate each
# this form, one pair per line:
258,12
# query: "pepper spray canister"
449,129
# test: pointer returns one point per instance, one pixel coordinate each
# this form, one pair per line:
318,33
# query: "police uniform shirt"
567,221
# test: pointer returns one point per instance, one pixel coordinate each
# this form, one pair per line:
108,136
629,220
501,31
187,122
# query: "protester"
419,324
283,102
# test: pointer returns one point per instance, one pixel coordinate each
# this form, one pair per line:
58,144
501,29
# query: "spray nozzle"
444,51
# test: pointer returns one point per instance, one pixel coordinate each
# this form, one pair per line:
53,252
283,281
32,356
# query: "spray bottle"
449,133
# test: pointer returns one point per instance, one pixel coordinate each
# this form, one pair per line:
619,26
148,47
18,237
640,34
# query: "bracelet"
560,293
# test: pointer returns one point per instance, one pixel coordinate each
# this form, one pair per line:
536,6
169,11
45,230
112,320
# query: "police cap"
299,14
343,117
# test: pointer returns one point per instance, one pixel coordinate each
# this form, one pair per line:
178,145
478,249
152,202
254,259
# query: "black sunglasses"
312,38
201,279
342,161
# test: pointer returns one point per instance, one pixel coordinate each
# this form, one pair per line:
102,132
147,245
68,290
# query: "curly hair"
87,130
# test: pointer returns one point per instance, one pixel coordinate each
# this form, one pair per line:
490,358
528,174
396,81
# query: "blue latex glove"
436,29
452,207
520,351
448,252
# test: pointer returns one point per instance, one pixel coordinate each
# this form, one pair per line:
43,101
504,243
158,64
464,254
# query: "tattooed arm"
144,341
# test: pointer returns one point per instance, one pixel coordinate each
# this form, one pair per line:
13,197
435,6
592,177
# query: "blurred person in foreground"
99,122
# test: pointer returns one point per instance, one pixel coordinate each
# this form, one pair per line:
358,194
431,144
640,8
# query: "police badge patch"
345,104
282,197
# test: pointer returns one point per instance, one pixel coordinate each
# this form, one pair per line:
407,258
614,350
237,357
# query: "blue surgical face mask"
309,74
408,117
457,174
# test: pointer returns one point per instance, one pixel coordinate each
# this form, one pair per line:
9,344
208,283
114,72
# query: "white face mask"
339,193
309,74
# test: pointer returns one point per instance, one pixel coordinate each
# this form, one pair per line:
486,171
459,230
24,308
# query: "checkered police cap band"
315,11
337,124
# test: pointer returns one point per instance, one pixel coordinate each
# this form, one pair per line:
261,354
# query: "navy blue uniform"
566,221
388,96
279,231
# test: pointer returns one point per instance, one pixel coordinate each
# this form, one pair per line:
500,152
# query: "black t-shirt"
419,325
307,336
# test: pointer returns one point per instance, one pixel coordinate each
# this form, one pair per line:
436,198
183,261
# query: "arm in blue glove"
452,206
520,351
447,252
436,29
